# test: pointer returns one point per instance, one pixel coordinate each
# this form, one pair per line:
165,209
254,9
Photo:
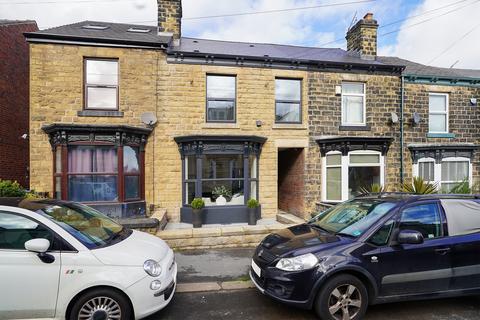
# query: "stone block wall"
382,98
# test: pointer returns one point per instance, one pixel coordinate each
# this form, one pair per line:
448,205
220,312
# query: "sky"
434,32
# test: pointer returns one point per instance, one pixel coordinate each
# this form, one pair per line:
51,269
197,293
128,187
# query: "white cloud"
425,42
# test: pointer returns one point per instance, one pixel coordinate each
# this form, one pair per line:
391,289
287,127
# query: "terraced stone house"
134,119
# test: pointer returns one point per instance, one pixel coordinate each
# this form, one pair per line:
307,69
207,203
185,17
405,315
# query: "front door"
29,286
420,268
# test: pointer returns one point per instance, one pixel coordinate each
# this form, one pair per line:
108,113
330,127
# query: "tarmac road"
250,304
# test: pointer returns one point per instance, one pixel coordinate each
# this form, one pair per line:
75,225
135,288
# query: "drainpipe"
402,101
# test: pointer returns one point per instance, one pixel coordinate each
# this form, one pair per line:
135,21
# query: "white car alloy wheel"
100,308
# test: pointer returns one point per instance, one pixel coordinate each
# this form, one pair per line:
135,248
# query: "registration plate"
256,269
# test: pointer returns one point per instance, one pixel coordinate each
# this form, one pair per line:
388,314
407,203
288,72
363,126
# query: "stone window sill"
100,113
212,125
441,135
289,126
354,128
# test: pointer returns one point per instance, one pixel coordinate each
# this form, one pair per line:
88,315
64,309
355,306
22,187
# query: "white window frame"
345,165
363,95
416,169
438,169
446,112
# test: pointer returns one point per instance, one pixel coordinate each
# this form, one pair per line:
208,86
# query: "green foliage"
373,188
198,203
462,188
419,186
32,195
221,190
11,189
253,203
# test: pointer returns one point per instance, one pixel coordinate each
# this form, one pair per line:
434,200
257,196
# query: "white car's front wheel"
101,304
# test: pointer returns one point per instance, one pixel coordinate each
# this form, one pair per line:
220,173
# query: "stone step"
288,218
217,237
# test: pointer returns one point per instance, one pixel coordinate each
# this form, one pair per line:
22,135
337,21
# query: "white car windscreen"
463,216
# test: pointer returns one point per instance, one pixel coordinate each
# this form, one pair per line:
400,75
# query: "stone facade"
464,120
382,98
176,94
14,100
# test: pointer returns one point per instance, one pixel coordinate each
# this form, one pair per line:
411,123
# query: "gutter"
402,109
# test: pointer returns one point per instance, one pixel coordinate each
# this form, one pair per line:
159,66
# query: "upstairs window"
353,104
221,98
438,113
101,84
288,105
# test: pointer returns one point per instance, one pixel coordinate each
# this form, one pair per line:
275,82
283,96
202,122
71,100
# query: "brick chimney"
170,18
362,37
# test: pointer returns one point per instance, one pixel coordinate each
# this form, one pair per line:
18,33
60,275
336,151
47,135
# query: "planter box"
219,214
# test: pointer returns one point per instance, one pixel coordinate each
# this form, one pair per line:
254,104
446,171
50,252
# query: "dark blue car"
374,249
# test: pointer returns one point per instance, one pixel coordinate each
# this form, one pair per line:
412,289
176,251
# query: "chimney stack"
362,37
170,18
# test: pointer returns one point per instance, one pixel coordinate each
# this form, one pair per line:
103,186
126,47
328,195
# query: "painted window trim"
437,169
446,112
364,95
207,98
86,85
299,102
345,165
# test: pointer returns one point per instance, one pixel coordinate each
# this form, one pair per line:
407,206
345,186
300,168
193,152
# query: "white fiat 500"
64,260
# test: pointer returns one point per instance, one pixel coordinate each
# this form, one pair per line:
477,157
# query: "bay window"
346,175
351,164
98,164
446,173
222,170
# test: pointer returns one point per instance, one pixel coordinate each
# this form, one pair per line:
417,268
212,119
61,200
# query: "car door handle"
442,251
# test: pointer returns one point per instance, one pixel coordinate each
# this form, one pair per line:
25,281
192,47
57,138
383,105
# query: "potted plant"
197,212
252,205
221,194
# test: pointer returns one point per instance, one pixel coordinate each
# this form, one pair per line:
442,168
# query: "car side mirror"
410,237
40,246
37,245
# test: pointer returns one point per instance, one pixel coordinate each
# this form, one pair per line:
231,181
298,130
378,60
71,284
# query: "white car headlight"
152,268
303,262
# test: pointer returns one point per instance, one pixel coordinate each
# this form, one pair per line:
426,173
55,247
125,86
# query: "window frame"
363,95
120,175
208,99
86,85
345,165
326,167
437,169
299,102
446,112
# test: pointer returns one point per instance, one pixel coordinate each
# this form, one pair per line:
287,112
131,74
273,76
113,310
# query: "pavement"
211,265
249,304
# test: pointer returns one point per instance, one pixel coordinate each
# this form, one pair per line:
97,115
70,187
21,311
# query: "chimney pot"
368,16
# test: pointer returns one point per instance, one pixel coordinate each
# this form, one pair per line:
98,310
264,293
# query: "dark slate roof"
115,33
274,51
413,68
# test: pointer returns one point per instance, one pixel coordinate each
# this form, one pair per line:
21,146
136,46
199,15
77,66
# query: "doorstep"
182,236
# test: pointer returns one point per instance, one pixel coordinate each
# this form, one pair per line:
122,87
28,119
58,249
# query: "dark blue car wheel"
343,297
